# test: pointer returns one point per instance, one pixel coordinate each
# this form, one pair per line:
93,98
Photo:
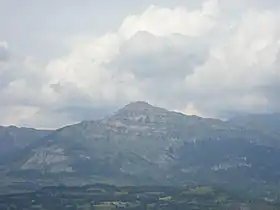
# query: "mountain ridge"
141,143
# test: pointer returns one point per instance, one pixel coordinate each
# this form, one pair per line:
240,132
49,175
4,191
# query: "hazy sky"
63,61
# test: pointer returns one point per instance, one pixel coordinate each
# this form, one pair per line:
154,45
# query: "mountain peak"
140,106
138,109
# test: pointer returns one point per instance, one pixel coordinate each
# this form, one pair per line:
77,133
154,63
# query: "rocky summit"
143,144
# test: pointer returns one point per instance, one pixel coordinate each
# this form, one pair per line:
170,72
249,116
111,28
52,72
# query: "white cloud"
237,70
143,54
164,21
200,61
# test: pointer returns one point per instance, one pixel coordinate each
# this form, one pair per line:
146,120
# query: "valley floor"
108,197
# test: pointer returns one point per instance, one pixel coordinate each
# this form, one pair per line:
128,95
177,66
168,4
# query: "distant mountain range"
141,144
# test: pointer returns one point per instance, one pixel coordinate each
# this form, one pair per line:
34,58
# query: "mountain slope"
267,122
143,144
138,140
13,140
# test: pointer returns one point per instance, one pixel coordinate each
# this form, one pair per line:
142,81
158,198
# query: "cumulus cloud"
132,63
206,61
237,71
163,21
